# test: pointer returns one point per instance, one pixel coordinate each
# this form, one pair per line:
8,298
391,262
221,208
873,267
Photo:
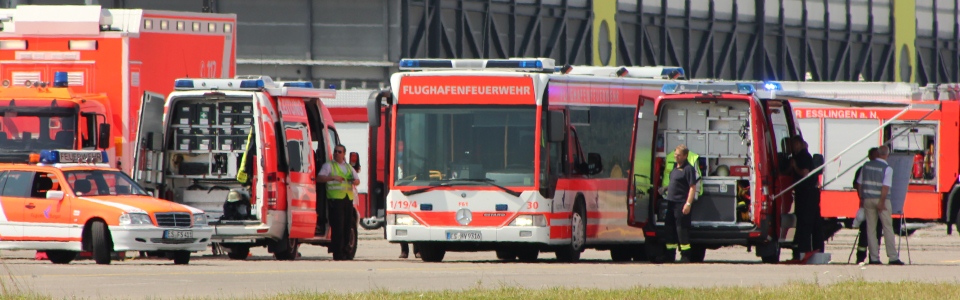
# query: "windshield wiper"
450,182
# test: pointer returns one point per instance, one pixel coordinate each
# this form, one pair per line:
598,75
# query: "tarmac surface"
935,256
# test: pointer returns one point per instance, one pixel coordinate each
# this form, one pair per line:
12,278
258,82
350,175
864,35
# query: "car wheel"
181,257
432,253
238,252
61,256
100,242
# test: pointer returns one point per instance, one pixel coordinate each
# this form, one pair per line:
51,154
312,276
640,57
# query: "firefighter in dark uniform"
680,194
809,235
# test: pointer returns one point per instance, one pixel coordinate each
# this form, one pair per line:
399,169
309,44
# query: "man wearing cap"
340,179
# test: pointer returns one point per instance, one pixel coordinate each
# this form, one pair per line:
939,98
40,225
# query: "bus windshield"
465,144
28,128
102,183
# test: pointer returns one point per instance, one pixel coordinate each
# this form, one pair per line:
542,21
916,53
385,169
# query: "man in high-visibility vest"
340,179
680,195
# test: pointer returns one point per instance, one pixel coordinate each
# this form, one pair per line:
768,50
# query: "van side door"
642,173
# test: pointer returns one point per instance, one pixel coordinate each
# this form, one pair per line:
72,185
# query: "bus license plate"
459,235
177,234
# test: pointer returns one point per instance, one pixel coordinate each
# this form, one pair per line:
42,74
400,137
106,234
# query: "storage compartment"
736,146
206,114
718,203
697,119
673,140
205,142
718,144
676,118
185,142
227,120
183,114
719,111
697,142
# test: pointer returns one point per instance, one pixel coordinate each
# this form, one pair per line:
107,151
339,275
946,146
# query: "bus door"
641,191
302,173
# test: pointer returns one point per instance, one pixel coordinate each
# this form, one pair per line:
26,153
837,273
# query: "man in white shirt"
875,180
340,178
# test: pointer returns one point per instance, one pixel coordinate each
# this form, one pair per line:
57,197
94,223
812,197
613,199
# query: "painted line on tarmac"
157,274
950,261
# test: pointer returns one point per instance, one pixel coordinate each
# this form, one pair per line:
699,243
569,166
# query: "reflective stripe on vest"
871,178
693,159
339,190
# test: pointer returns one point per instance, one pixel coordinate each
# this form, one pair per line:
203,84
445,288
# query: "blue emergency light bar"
524,64
300,84
673,73
228,84
772,86
73,156
732,88
60,79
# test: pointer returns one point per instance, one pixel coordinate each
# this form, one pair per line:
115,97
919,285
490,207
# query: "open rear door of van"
302,172
641,193
148,148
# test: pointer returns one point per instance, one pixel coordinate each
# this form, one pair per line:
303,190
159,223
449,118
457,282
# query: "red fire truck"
929,132
47,115
511,155
121,53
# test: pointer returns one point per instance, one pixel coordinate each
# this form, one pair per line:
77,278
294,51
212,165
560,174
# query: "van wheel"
61,256
506,254
238,252
528,255
432,253
620,254
578,235
181,257
638,253
289,248
697,253
100,242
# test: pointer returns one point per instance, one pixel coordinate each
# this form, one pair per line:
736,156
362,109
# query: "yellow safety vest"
242,175
339,190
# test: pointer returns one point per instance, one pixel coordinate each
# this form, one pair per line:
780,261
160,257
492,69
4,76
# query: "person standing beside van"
680,194
875,181
340,178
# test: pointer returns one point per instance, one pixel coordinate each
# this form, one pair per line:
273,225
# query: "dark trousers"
809,235
678,227
862,240
341,218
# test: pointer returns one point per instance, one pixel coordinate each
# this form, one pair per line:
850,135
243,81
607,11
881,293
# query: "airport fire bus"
929,133
513,155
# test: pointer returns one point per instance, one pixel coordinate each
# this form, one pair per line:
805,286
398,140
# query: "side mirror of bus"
556,126
355,161
103,140
594,164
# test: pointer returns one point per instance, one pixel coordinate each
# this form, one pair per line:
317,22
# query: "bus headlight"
403,220
200,220
136,219
530,220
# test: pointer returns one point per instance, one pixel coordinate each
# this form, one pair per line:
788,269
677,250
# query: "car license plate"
177,234
459,235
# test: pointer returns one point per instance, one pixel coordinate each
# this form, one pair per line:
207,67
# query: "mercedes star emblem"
464,216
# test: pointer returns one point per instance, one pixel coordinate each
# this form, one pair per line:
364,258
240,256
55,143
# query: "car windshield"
102,183
463,144
27,128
